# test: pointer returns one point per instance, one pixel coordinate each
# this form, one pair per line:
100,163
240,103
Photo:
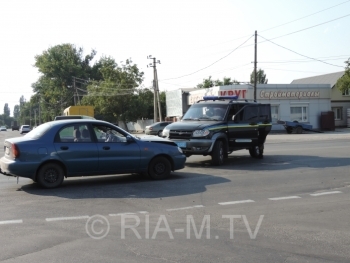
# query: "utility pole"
156,89
30,115
39,113
75,91
34,117
255,55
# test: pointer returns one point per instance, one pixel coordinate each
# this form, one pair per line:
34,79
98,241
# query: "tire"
257,151
159,168
299,130
217,155
50,175
289,130
160,133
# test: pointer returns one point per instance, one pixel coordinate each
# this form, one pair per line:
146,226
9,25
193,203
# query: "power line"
268,29
306,28
227,69
279,69
301,61
240,46
304,17
301,54
213,62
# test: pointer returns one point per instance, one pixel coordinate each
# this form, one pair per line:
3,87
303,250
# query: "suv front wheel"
218,155
257,151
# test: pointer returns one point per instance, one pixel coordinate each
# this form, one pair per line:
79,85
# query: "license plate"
181,144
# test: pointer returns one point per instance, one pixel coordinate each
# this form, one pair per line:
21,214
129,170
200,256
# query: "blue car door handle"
64,147
106,148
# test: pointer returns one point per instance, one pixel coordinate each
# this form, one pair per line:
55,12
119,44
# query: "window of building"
299,113
275,113
346,92
338,113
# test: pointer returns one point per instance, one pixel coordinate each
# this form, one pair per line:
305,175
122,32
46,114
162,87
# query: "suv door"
244,129
264,121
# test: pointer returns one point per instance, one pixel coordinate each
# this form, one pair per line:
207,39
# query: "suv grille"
174,134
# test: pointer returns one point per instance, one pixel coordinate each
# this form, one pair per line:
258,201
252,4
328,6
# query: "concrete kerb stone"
341,133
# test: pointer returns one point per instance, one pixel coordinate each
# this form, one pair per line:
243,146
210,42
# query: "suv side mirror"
235,118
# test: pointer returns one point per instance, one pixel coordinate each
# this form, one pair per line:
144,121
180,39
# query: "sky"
192,39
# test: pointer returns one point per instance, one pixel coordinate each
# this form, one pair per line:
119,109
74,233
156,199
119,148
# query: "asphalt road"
291,206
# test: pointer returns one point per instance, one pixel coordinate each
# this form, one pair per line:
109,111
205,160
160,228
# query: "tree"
16,111
113,95
208,83
343,84
6,110
60,66
260,77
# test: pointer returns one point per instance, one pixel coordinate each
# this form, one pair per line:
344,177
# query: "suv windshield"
204,111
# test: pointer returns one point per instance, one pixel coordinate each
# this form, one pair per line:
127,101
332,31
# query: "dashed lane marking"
121,214
283,198
66,218
327,193
20,221
237,202
184,208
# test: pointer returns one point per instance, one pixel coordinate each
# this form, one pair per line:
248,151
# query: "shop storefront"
289,102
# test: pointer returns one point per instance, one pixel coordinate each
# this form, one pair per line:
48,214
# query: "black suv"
217,126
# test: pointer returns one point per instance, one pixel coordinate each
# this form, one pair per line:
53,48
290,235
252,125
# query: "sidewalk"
339,133
283,136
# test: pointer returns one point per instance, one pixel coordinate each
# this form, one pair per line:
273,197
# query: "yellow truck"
79,110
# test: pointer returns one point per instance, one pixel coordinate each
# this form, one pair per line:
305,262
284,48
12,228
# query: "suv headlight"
165,132
200,133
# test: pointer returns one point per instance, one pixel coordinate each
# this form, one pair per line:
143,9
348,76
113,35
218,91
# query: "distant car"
156,128
3,128
24,129
71,148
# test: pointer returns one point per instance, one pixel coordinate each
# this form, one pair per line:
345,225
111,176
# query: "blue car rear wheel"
50,175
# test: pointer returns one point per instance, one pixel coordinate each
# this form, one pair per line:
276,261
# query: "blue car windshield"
38,131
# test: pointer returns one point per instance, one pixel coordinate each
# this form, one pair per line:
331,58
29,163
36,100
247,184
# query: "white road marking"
120,214
20,221
66,218
237,202
143,212
284,198
327,193
184,208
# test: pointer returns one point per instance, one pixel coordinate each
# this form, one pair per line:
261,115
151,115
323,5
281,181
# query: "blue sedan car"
83,147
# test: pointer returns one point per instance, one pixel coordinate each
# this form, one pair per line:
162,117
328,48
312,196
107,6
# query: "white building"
340,101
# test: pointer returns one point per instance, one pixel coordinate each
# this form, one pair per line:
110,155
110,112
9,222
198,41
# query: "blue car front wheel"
159,168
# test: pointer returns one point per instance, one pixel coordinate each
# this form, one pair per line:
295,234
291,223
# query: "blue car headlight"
200,133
